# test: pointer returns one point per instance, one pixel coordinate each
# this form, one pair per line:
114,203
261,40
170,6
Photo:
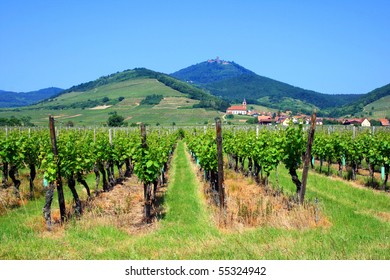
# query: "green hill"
378,109
376,102
92,103
234,82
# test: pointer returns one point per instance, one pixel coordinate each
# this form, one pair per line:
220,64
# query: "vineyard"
265,164
73,154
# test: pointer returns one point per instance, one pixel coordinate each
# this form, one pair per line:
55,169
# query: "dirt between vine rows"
122,207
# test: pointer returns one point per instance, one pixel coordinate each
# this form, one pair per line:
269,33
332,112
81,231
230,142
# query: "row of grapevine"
203,148
261,151
206,149
264,150
80,152
350,150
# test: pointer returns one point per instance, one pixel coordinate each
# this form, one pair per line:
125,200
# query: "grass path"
360,228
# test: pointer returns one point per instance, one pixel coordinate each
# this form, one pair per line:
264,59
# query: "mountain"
234,82
127,93
211,71
17,99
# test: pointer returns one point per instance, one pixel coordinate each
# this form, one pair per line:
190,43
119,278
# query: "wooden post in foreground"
221,187
147,186
61,199
306,163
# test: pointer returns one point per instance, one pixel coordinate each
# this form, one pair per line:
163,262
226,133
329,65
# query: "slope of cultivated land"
66,107
378,109
358,227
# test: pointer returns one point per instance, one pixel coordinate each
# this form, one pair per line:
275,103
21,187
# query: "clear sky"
331,46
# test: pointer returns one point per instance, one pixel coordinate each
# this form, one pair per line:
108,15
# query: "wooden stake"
61,199
306,163
221,187
147,186
110,136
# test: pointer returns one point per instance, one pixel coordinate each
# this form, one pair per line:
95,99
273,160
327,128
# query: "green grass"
359,228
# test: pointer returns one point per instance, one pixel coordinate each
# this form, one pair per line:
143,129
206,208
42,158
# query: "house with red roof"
384,122
264,119
237,109
353,121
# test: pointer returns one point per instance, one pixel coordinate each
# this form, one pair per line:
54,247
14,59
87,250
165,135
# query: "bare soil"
122,207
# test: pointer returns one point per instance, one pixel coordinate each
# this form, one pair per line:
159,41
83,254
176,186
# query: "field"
354,224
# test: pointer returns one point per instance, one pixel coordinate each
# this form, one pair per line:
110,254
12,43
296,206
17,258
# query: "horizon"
332,48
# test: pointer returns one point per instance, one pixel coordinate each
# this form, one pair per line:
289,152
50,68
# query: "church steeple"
244,104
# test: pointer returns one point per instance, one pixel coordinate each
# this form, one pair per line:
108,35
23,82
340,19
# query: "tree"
105,99
26,120
375,123
115,120
69,124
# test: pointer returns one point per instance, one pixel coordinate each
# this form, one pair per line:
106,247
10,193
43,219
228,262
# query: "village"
286,118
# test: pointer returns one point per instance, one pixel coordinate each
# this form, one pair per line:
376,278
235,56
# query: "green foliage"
204,148
69,124
150,160
375,123
294,147
153,99
115,120
253,120
230,116
13,121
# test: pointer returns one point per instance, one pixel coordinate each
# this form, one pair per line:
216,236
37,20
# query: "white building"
366,123
237,109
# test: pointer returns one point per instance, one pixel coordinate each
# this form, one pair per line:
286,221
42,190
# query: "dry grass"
8,200
250,206
123,208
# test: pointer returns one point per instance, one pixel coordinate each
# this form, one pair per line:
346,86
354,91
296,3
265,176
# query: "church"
237,109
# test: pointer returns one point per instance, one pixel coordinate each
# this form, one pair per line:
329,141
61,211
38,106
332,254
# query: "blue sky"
326,46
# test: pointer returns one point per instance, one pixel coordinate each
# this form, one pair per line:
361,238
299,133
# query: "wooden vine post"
221,187
61,199
306,163
147,186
